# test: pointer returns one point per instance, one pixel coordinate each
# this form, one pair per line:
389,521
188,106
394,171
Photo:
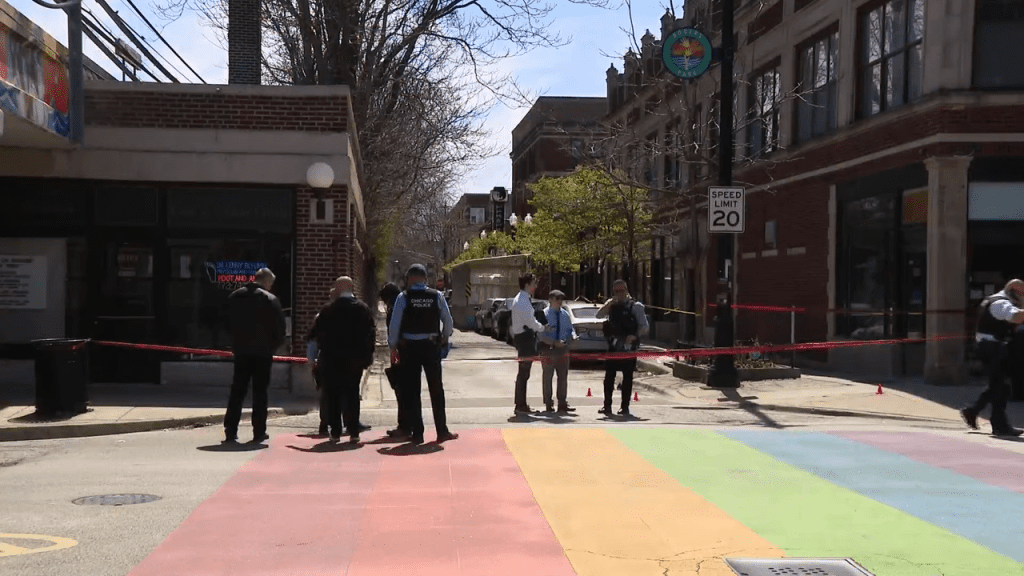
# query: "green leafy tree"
481,248
586,215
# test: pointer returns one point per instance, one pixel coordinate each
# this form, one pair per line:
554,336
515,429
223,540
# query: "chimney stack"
244,42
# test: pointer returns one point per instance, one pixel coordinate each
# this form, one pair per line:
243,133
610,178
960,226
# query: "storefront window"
204,272
867,226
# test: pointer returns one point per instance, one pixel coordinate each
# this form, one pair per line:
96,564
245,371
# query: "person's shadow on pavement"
328,447
411,449
621,418
233,447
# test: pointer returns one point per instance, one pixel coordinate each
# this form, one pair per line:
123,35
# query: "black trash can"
62,376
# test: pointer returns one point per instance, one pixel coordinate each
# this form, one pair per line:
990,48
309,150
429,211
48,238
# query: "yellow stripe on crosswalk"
615,513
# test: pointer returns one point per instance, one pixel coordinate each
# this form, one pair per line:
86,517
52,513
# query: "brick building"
880,145
176,195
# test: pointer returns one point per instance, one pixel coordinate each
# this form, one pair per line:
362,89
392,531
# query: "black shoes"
416,439
549,407
624,412
230,437
523,410
1009,432
398,433
607,411
260,438
970,418
323,430
447,436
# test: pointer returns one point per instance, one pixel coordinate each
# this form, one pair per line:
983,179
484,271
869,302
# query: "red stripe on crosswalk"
307,507
466,510
286,512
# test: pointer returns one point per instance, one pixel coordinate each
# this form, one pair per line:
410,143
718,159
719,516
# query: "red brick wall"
801,212
133,109
321,255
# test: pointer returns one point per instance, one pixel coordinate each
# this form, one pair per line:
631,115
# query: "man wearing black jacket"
257,328
346,332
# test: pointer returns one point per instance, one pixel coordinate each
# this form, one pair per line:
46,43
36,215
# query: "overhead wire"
135,40
160,36
149,44
90,19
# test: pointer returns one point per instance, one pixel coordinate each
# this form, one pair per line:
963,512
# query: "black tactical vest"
621,320
989,324
421,315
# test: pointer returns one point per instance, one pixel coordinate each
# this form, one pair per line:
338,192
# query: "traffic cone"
636,397
879,389
588,393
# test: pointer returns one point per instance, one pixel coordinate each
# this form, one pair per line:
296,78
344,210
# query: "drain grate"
115,499
796,567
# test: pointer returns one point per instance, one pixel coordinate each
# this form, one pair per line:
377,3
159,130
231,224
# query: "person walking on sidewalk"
420,328
346,333
998,316
388,294
554,350
525,327
257,326
626,324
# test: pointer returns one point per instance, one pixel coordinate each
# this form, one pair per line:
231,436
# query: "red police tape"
679,353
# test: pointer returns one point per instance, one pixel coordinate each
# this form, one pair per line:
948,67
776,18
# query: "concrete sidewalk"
125,408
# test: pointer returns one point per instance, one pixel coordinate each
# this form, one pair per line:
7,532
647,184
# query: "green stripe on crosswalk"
807,516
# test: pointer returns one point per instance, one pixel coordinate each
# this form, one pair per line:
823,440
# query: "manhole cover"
115,499
796,566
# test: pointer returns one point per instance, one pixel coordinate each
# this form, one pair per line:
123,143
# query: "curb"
44,432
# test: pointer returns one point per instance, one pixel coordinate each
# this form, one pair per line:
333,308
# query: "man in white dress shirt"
525,327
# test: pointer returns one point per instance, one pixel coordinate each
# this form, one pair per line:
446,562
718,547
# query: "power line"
142,38
157,32
98,28
135,40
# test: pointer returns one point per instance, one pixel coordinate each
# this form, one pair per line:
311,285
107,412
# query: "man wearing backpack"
626,324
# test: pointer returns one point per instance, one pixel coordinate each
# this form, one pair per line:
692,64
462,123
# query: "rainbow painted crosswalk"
609,502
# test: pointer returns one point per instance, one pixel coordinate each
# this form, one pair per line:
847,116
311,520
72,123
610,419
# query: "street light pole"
723,373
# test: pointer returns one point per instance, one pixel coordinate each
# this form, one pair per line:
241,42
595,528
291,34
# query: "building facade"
880,146
176,196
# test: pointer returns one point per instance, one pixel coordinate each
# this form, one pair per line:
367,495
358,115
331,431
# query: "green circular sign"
686,52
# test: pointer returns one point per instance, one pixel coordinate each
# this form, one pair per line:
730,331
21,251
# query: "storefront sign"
23,282
238,271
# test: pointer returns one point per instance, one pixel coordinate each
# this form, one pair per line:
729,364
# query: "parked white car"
589,331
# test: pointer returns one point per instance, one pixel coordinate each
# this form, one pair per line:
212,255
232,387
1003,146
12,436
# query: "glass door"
124,311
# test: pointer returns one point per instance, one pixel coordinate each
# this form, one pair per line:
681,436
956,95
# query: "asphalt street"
687,480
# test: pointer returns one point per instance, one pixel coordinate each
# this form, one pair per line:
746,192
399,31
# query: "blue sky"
577,69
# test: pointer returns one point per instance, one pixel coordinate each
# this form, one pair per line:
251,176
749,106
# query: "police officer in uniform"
346,333
626,324
1000,313
421,325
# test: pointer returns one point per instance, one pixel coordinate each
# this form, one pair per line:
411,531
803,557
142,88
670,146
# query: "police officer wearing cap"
998,316
421,325
626,323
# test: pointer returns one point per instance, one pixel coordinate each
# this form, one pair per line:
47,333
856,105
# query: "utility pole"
723,373
76,75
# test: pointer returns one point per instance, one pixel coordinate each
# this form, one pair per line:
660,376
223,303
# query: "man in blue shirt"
554,347
421,325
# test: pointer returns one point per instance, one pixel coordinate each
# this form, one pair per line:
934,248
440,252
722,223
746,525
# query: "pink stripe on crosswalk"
988,464
293,510
463,511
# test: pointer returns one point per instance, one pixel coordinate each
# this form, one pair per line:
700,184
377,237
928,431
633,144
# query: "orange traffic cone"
588,393
636,397
879,390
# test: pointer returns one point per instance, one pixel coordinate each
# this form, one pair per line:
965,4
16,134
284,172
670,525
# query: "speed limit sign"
725,209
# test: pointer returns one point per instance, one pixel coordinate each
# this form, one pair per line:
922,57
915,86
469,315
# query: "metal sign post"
723,372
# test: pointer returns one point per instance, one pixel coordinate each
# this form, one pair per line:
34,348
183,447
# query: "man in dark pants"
346,333
999,315
420,327
388,294
525,327
257,329
626,324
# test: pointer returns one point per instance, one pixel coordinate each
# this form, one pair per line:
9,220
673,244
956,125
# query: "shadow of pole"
733,395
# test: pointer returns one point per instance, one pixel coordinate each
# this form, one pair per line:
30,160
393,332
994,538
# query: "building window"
477,215
999,32
891,58
816,105
765,94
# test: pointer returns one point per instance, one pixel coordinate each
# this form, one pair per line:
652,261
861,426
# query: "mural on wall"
34,80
